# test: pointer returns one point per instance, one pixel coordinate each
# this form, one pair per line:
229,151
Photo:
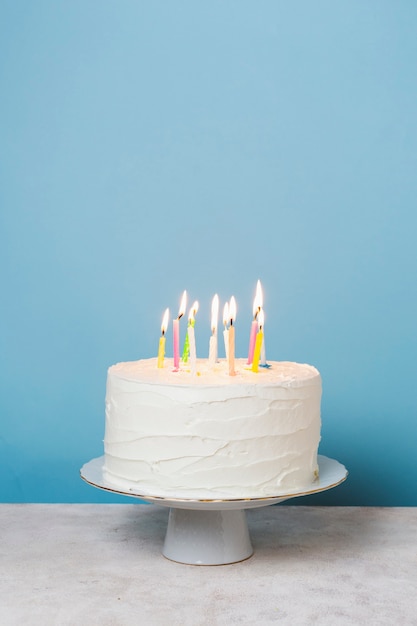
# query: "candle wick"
180,316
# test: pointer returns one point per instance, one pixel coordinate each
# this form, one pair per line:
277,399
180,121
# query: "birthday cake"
211,435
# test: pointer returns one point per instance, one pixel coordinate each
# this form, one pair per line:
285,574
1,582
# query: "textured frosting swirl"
212,435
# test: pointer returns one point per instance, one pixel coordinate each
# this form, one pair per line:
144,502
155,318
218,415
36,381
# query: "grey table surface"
88,564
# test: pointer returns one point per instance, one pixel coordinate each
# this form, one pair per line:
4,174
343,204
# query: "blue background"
151,147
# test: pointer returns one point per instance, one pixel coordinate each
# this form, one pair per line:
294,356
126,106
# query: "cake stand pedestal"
207,537
215,531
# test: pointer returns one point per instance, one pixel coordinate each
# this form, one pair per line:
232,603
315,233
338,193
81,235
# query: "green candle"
191,322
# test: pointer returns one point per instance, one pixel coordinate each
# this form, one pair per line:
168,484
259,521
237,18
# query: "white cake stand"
215,531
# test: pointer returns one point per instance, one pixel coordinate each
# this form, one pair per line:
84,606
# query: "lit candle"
232,313
186,348
257,305
213,338
191,322
263,352
176,331
161,350
258,343
226,332
191,338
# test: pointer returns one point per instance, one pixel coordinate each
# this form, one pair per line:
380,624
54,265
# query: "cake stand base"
207,537
212,532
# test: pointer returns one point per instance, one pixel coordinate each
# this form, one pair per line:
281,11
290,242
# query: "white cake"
212,435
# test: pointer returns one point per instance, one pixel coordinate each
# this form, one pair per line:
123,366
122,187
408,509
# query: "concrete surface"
87,565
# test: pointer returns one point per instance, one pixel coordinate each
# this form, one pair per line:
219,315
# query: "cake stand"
215,531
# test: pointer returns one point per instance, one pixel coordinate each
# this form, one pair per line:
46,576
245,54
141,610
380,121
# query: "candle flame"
165,319
214,313
232,309
183,305
226,314
261,319
193,311
258,300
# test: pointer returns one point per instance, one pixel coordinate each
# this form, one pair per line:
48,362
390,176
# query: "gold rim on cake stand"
212,531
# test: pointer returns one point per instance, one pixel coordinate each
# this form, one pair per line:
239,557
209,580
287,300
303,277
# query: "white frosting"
212,435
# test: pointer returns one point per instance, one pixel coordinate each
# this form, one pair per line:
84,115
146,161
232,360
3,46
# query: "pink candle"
252,340
232,350
176,332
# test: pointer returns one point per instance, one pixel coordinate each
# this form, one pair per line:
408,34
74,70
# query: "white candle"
226,332
213,338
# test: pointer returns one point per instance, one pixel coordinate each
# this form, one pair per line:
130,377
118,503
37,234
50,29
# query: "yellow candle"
257,305
232,313
257,351
258,343
161,349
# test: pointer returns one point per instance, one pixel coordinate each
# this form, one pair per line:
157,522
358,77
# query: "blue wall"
148,147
